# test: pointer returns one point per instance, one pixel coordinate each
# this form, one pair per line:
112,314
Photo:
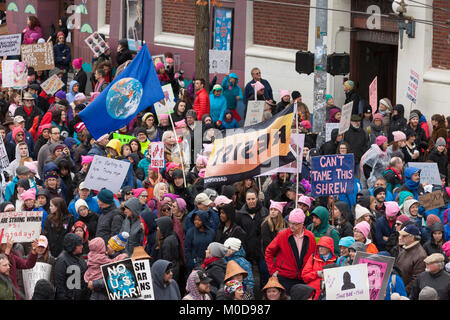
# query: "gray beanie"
217,249
428,293
358,246
440,142
192,113
413,115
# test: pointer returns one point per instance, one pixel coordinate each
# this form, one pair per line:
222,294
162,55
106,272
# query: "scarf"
255,209
412,185
398,174
27,111
208,261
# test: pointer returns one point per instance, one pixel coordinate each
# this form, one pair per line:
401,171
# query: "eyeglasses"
55,133
398,223
143,196
129,193
19,134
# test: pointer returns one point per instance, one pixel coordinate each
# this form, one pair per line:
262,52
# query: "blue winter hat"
346,242
61,95
106,196
410,171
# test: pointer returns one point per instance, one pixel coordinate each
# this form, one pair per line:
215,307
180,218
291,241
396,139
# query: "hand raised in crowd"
9,244
34,246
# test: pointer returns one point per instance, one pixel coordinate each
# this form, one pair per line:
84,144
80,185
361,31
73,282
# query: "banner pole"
296,147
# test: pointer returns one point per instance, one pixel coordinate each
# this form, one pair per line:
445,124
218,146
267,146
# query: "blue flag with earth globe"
134,89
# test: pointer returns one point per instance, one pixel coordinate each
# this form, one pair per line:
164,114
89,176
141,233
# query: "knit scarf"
208,261
412,185
398,174
28,111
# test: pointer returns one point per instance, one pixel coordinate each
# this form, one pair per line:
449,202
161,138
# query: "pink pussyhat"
32,165
284,93
203,159
86,159
180,124
29,194
297,216
392,208
398,135
363,227
380,140
277,205
305,199
258,85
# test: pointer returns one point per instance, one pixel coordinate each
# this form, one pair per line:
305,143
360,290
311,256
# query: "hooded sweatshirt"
70,97
324,228
230,92
161,290
132,225
197,242
192,288
170,245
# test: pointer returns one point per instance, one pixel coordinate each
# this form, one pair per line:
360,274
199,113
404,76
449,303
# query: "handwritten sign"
144,278
4,160
413,86
219,61
255,112
346,115
10,45
379,269
120,280
106,173
14,74
347,283
23,226
157,154
373,95
97,44
429,172
328,128
52,85
332,174
40,271
39,56
432,200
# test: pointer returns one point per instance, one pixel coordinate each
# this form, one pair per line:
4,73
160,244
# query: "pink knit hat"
163,116
446,248
203,159
380,140
304,199
403,218
32,165
86,159
363,227
277,205
43,127
77,63
392,208
378,116
258,85
29,194
220,200
180,124
171,165
306,124
398,135
159,65
284,93
137,192
297,216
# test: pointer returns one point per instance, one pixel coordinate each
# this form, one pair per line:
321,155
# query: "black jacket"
90,221
35,112
353,96
398,122
234,231
55,236
216,271
330,147
82,78
358,140
441,159
431,246
439,281
105,226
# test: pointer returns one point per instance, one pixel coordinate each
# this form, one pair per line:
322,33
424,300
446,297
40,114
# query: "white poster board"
52,85
106,173
347,283
97,44
413,86
328,128
40,271
429,173
157,154
255,112
23,226
14,74
144,278
169,100
219,61
10,45
4,160
346,116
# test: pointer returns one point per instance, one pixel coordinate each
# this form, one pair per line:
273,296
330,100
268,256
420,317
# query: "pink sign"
377,271
373,98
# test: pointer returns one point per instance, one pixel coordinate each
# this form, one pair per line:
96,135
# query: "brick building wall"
108,12
441,36
178,17
282,26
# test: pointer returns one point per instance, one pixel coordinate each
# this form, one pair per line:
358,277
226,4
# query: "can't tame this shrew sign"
332,175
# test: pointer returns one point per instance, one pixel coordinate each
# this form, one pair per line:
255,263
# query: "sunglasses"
129,193
19,135
398,223
165,209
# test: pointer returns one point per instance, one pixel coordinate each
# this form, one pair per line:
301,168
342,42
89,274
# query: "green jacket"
323,215
6,290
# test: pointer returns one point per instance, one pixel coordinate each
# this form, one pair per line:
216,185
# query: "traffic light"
338,64
304,62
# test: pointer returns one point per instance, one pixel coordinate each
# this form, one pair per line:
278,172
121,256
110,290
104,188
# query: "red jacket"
201,103
315,263
283,248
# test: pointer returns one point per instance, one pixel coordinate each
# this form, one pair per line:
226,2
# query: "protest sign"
332,175
219,61
120,280
347,283
144,278
157,154
429,172
39,56
10,45
23,226
413,86
4,160
4,29
106,173
373,95
97,44
52,85
14,74
40,271
255,112
159,58
250,151
432,200
328,128
346,115
379,269
124,138
166,105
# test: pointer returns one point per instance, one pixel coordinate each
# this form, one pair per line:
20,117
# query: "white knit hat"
233,243
80,203
360,211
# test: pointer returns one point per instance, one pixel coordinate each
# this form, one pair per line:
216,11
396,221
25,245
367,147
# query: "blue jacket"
233,124
197,242
9,191
399,287
60,52
213,219
91,202
350,198
231,92
447,232
239,257
71,95
44,215
218,106
383,229
96,150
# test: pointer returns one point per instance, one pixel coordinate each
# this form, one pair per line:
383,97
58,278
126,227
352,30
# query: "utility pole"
320,72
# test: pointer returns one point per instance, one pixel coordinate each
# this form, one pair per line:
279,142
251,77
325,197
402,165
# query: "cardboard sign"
144,278
106,173
332,175
52,85
14,74
39,55
120,280
23,226
328,128
97,44
4,160
40,271
413,86
432,200
10,45
255,112
379,269
373,95
4,29
347,283
157,154
429,172
219,61
346,115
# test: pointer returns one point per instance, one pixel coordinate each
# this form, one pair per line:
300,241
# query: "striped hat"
119,241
